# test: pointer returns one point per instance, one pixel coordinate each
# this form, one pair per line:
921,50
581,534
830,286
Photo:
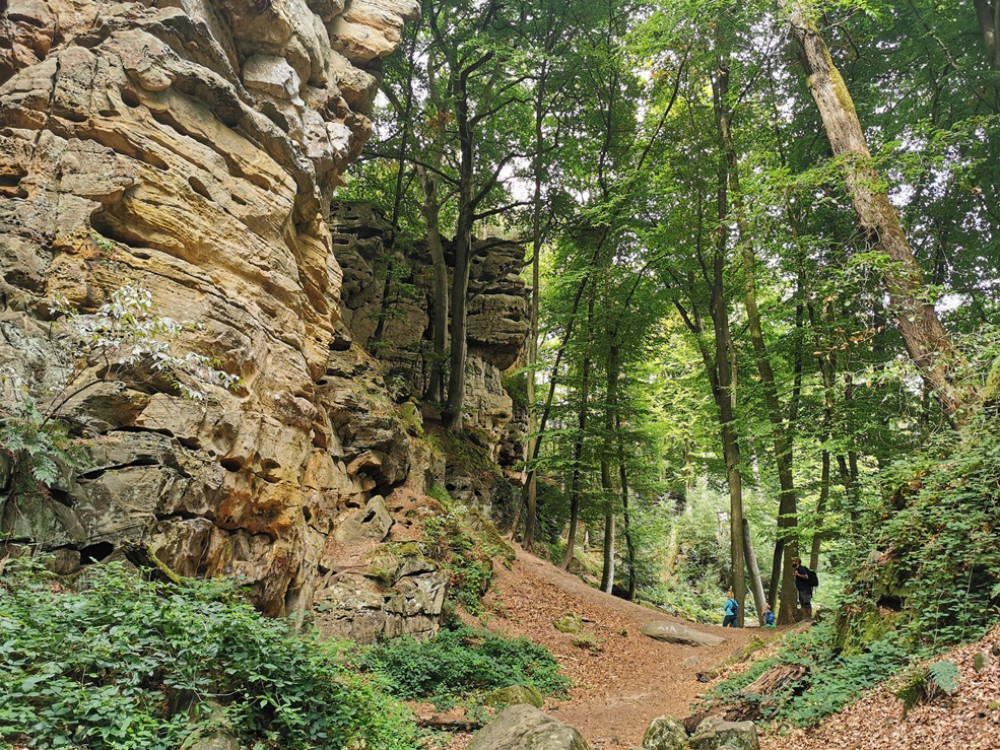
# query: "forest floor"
623,679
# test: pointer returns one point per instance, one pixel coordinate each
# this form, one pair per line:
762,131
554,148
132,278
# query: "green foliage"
940,543
945,675
830,682
925,684
461,662
127,664
464,545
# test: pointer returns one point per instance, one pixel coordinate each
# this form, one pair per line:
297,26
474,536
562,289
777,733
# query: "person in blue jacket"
768,616
731,607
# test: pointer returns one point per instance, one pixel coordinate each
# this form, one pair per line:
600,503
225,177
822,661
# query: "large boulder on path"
664,733
715,733
526,728
674,632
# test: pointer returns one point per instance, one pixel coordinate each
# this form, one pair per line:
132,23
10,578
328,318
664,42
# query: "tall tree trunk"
608,570
781,435
725,386
574,514
626,514
988,13
610,414
531,484
928,344
430,208
464,122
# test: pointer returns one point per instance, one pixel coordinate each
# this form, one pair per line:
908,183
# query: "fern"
944,675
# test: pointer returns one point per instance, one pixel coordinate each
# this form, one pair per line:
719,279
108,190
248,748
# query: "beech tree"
927,342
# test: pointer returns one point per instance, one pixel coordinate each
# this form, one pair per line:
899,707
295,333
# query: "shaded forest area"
763,256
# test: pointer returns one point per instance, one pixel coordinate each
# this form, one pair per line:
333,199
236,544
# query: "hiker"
768,616
803,587
731,607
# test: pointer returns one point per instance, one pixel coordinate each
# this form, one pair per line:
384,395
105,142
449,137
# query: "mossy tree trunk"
927,343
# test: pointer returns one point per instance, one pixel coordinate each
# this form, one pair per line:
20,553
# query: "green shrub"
464,545
463,661
126,664
830,681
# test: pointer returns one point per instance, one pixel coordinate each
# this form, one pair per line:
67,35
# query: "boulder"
526,728
664,733
715,733
515,695
673,632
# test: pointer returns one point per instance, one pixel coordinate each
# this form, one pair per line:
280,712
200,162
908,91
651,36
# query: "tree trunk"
608,571
756,584
626,516
988,13
927,343
574,515
725,386
531,493
781,434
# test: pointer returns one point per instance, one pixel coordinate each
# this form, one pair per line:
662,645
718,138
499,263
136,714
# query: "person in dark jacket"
803,587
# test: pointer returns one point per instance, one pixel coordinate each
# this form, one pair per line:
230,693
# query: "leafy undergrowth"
125,663
461,664
951,702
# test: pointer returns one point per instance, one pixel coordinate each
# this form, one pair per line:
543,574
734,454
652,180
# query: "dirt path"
624,679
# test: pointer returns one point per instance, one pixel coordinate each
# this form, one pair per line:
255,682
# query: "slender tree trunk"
531,488
725,390
464,122
824,494
574,515
608,571
781,435
756,584
626,514
928,344
431,211
988,13
610,418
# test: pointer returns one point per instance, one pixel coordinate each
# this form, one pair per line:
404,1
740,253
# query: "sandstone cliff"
189,147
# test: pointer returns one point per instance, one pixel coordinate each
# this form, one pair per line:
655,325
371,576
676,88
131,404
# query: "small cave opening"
96,552
893,603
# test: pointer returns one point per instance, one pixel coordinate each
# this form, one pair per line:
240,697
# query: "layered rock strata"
189,147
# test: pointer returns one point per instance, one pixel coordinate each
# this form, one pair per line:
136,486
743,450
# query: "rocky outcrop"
189,147
388,300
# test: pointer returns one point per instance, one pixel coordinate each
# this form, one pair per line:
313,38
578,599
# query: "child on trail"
731,607
768,616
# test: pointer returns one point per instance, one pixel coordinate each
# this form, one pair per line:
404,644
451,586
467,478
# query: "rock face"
189,147
524,727
388,301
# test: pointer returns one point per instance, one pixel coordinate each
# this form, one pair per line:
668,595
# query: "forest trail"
626,679
621,678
